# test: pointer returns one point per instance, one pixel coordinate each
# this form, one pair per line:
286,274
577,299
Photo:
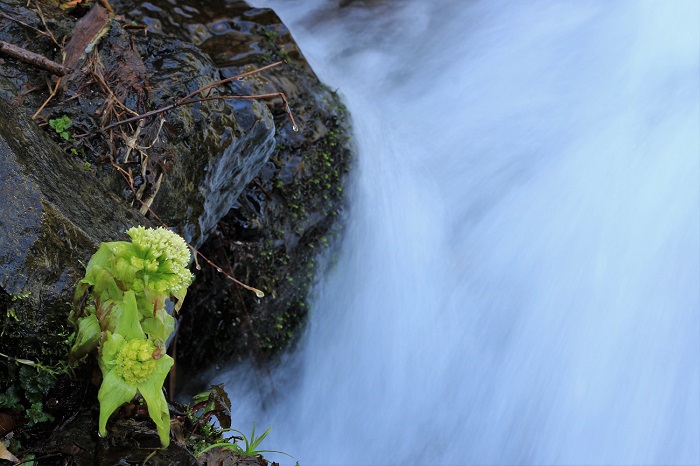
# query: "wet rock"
54,213
226,457
19,27
54,216
212,150
275,231
190,164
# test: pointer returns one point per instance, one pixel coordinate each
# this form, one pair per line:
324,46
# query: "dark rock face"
54,216
189,167
217,147
273,234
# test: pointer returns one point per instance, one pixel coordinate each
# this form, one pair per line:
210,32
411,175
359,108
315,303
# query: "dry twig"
53,93
43,21
47,34
33,58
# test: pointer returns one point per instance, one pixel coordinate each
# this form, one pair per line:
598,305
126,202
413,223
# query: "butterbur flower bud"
134,362
129,367
161,242
164,257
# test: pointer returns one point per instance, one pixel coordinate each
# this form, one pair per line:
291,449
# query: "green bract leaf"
108,353
152,391
127,318
88,337
159,327
113,393
103,282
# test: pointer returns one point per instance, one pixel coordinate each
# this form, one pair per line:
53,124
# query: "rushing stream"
520,278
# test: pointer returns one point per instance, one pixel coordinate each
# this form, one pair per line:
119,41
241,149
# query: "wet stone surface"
61,195
190,164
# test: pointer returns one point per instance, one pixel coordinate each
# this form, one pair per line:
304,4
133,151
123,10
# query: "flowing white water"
520,279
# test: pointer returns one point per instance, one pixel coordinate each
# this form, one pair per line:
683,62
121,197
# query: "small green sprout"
120,310
61,125
250,445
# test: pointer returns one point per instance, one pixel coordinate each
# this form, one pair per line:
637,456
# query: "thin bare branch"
254,97
232,78
43,21
142,116
33,58
257,292
180,103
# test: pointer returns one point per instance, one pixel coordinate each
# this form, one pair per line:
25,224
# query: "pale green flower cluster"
162,251
134,362
120,308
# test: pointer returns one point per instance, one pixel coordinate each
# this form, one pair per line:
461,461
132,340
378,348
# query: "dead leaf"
6,455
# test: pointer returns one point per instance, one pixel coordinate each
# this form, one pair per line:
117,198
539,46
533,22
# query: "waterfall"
519,282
